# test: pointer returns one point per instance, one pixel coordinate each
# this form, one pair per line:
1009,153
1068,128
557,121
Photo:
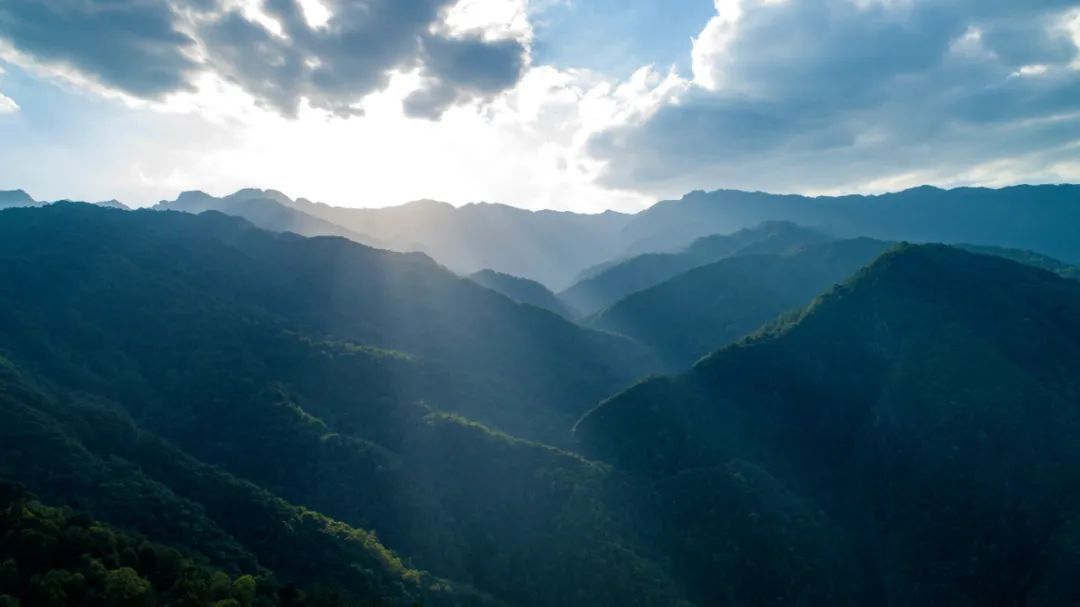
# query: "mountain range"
904,440
558,249
236,402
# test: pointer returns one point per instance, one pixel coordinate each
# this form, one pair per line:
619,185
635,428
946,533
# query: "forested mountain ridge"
147,382
81,450
713,305
604,285
305,411
1030,258
927,408
61,557
533,371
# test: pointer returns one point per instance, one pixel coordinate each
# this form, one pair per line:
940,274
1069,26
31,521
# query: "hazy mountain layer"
561,248
604,285
711,306
268,210
1037,218
522,290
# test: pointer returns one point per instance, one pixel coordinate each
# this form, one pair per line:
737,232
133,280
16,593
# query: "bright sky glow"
534,103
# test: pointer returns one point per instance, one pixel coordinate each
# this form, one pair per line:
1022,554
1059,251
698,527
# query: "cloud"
7,105
132,46
820,94
458,68
332,53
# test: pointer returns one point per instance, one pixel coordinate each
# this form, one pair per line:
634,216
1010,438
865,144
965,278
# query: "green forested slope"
301,411
144,386
927,410
75,276
711,306
606,284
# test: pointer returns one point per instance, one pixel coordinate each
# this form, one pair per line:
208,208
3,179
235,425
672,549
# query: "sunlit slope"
59,556
928,409
81,450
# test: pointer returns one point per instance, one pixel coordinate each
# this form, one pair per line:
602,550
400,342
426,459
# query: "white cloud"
491,19
7,104
825,95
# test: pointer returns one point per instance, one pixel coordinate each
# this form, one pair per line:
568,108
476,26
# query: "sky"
581,105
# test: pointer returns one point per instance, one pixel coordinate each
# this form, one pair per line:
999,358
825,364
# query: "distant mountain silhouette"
1039,218
559,249
265,209
550,247
16,198
113,204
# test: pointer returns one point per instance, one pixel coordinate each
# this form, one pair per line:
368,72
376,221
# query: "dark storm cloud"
808,90
146,48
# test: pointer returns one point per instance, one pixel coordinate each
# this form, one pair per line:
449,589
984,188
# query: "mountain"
559,249
521,290
325,423
264,209
113,204
604,285
915,427
58,556
550,247
228,393
16,198
1037,218
711,306
538,371
1029,258
84,451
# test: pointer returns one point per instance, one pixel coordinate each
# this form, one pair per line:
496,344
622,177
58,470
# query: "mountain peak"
256,193
428,204
15,198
